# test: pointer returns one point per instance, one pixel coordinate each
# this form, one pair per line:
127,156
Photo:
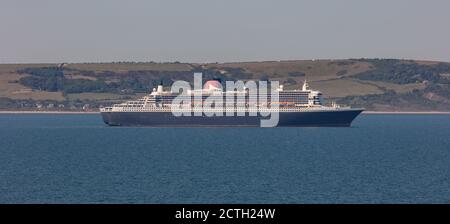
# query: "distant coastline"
406,112
375,84
49,112
97,112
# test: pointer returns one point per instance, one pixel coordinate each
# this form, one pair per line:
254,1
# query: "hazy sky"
228,30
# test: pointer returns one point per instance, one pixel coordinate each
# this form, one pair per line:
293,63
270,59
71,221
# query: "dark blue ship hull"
338,118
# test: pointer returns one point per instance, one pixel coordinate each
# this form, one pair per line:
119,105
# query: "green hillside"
376,84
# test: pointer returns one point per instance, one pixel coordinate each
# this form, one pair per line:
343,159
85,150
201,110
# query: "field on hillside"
123,67
9,88
315,70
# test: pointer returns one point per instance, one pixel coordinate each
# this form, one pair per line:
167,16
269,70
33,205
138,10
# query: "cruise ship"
293,108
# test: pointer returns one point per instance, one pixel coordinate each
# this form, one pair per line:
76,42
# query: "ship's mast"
305,86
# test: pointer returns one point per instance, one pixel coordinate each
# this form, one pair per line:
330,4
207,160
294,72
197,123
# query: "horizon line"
225,62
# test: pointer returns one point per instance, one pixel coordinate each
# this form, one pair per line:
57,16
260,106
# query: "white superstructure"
288,100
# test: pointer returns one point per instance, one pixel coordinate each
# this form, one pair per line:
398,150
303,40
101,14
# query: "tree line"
400,72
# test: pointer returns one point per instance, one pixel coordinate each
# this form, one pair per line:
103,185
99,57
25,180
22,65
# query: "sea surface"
77,159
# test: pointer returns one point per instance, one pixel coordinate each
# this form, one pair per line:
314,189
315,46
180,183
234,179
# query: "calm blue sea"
77,159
